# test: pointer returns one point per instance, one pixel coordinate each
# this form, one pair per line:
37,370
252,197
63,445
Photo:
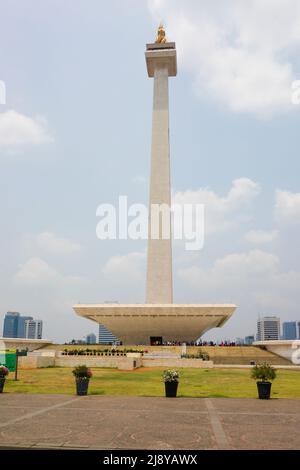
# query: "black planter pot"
171,389
2,382
82,386
264,390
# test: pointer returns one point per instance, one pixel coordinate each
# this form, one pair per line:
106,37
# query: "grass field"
233,383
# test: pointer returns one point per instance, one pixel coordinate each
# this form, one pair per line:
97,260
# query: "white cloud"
36,272
51,243
239,264
261,236
287,206
222,212
231,270
125,269
18,131
240,53
250,279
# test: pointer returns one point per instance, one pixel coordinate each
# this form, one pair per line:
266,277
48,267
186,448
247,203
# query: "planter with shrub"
3,374
82,376
171,379
263,374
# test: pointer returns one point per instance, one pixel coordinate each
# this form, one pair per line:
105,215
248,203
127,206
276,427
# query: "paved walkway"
93,422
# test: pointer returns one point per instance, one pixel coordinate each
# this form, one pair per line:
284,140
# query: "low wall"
34,362
124,363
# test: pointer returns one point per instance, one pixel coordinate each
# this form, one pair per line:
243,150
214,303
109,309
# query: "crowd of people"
200,343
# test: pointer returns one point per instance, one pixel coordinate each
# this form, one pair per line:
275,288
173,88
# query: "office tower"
249,340
91,339
289,330
268,328
14,325
33,329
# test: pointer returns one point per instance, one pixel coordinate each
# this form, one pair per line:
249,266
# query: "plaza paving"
95,422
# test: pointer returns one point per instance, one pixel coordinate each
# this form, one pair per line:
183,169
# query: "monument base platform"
157,323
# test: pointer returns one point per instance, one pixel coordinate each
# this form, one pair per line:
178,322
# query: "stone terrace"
241,355
93,422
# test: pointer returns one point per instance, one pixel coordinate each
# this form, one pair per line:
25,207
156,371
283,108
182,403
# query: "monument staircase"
161,354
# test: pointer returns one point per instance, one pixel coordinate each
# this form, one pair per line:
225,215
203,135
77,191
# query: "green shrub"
263,372
82,372
171,375
200,355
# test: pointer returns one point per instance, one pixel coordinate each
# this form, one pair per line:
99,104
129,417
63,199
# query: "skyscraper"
22,326
14,325
268,328
10,325
91,338
33,329
289,330
249,340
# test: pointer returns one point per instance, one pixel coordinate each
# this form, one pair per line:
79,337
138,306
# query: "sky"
75,132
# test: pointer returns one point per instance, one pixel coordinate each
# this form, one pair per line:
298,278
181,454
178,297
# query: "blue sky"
76,131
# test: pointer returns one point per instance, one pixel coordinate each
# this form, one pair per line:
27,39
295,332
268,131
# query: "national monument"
159,319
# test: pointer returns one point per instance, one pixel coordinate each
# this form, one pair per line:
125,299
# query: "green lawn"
231,383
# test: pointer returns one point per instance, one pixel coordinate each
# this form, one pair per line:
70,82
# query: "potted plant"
203,355
171,379
82,377
263,374
3,373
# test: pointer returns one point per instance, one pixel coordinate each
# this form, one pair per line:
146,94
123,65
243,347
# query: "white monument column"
158,320
161,64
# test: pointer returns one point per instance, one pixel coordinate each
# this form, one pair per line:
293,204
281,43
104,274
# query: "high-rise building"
10,325
91,339
298,324
14,325
268,328
239,341
249,340
289,330
33,329
22,326
106,337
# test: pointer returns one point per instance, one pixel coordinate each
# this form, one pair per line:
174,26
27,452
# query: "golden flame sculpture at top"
161,35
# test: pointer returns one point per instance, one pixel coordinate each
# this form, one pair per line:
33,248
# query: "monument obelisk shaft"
161,63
